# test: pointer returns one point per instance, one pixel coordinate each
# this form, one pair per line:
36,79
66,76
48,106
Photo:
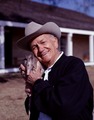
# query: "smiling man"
45,48
64,92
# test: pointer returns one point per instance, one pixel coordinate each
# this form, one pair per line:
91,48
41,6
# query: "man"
64,93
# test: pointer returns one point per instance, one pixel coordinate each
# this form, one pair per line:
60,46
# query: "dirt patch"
12,97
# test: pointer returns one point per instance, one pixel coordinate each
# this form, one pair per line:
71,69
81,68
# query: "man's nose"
40,48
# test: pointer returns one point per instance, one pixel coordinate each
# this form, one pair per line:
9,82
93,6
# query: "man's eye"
34,47
43,42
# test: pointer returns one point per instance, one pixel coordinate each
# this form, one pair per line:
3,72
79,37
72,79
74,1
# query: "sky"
84,6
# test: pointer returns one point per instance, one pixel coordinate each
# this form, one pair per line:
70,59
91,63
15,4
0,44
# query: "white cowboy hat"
33,30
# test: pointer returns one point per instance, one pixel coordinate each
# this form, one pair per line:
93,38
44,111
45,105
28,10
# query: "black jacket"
67,95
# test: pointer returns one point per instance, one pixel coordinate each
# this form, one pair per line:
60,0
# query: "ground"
12,95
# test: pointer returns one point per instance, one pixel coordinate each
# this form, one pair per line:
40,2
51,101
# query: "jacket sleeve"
69,95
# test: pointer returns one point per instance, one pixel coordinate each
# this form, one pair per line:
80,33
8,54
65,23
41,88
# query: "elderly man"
64,93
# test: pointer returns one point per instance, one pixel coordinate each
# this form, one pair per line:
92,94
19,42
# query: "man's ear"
56,42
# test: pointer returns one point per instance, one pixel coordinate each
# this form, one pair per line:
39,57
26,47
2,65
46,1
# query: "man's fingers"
28,91
22,67
23,71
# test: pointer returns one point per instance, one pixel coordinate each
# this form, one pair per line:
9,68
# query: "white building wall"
68,31
2,59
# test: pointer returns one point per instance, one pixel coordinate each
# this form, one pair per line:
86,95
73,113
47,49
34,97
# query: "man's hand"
23,71
28,89
31,77
35,74
28,86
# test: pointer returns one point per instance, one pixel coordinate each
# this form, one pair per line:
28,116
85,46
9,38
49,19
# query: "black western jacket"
67,95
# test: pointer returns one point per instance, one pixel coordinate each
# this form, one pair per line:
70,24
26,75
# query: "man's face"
45,48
